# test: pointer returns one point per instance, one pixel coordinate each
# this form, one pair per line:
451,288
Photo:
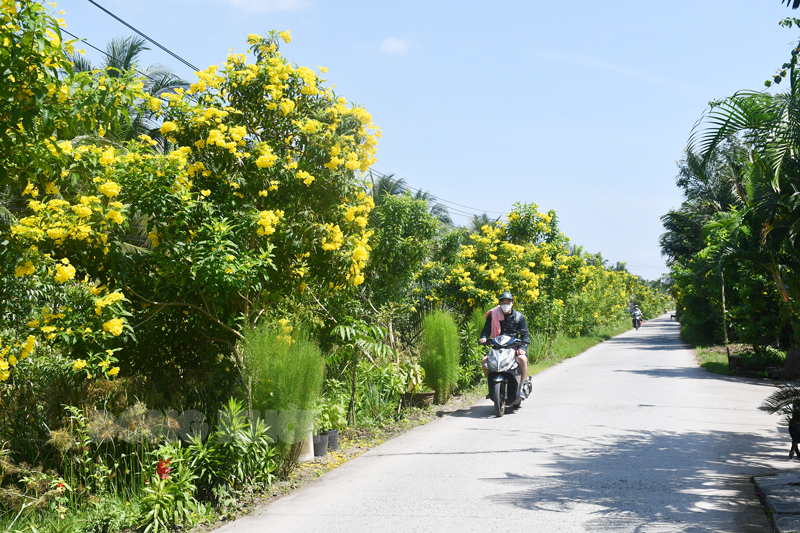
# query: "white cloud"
264,6
395,46
600,64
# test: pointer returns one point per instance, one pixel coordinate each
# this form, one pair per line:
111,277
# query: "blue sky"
583,107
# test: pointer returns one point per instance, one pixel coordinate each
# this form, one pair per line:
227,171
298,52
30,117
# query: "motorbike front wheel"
499,399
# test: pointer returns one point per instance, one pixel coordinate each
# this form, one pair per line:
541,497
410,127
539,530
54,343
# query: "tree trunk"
791,367
724,313
351,409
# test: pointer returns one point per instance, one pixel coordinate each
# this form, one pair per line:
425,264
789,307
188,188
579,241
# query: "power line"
173,54
408,188
473,210
90,45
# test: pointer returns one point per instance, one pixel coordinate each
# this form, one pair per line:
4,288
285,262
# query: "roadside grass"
766,364
714,359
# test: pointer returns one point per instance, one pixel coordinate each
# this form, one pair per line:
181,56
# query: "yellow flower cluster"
266,158
358,213
114,326
334,237
168,127
267,220
359,259
105,301
24,269
286,329
307,178
64,272
7,361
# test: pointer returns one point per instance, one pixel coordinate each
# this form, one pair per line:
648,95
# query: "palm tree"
436,209
479,221
765,232
710,186
387,184
122,55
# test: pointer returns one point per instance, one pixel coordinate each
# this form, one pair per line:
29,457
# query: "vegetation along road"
629,436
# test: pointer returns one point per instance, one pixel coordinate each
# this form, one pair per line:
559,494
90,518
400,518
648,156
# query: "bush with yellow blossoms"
559,288
55,158
257,197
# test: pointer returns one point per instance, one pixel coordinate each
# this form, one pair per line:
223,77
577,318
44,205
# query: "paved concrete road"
630,436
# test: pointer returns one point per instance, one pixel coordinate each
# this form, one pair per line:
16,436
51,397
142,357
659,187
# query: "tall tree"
123,55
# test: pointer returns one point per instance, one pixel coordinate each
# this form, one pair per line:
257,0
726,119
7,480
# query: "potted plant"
330,418
416,394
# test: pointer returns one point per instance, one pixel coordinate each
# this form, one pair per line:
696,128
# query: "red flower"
163,469
60,486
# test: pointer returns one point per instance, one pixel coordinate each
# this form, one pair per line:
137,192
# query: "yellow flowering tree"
258,198
559,288
510,255
54,156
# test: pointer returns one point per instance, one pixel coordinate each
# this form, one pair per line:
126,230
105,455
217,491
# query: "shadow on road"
480,411
629,479
698,373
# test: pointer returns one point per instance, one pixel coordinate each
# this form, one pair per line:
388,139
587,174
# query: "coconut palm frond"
80,63
122,54
435,208
387,186
477,222
781,399
733,115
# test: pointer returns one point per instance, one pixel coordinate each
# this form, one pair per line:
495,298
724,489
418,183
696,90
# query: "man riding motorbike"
637,315
503,320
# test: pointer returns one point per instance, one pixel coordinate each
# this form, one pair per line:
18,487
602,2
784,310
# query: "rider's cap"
506,295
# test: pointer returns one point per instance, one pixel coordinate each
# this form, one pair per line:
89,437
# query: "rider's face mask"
506,308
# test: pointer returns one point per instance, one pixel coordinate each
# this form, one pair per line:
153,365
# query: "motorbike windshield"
504,340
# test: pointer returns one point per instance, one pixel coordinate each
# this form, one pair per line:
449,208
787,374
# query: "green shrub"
378,396
478,320
237,454
282,372
541,345
471,352
331,412
168,500
440,353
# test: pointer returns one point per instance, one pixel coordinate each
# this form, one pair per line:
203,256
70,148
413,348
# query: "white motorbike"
505,379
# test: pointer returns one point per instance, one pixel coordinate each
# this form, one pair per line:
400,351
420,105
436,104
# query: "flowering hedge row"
560,289
248,192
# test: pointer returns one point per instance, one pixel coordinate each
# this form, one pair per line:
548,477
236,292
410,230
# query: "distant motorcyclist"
636,314
503,320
